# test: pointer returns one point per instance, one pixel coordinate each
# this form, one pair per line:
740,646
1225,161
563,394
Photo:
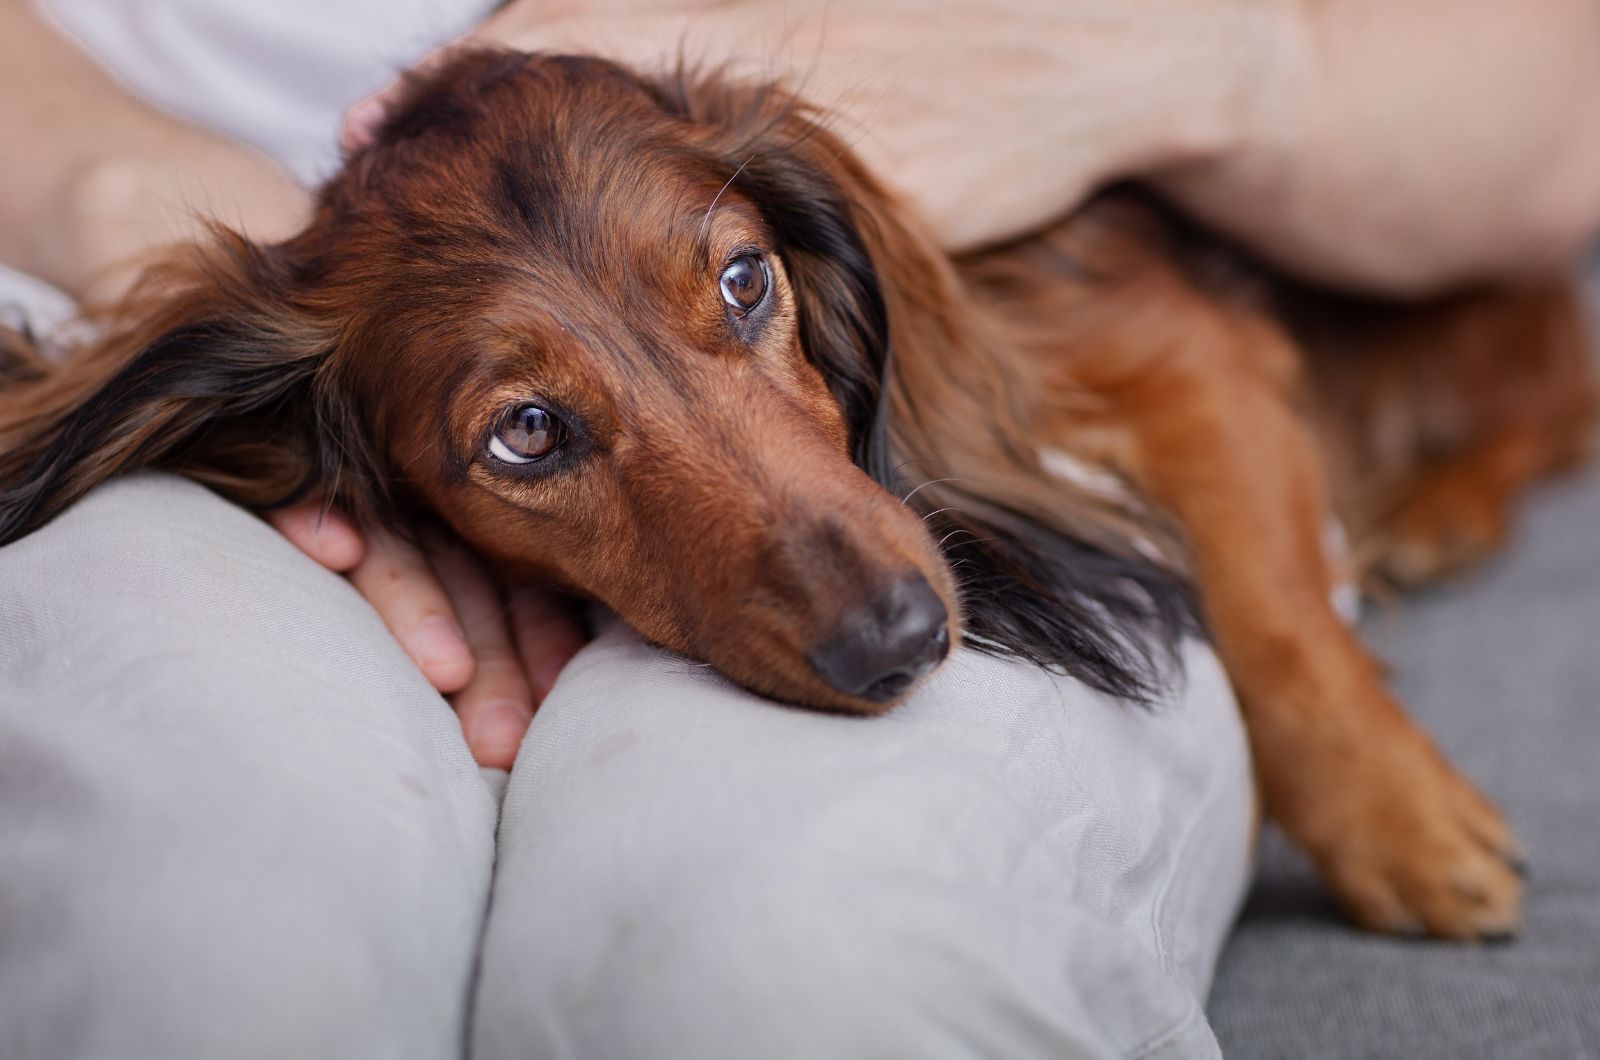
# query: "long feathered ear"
884,316
803,181
209,368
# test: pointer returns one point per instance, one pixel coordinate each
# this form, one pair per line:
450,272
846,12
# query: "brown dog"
664,343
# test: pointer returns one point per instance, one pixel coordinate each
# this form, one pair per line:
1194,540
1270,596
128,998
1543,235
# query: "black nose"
882,648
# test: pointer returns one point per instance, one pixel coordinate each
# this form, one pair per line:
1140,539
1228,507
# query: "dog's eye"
525,434
744,283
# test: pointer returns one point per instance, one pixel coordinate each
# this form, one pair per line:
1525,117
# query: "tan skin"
1311,131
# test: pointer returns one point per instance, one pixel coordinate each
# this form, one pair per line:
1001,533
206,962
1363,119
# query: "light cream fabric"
1008,866
235,822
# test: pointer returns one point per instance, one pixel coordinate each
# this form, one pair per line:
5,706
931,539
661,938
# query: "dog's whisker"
931,482
706,220
974,541
913,460
953,533
941,511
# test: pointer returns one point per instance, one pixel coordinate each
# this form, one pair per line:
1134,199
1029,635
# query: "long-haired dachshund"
665,343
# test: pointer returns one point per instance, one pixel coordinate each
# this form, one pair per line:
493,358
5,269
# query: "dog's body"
641,340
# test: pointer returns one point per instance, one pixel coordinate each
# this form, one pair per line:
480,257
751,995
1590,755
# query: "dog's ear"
885,317
824,211
209,368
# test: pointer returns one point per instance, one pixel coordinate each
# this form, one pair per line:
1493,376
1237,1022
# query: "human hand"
991,117
495,651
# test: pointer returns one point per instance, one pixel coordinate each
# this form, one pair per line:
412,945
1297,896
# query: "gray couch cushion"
1504,668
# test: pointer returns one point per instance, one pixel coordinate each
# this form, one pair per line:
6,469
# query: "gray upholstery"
1504,668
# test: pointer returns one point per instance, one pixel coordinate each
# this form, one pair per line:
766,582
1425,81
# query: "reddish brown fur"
1228,415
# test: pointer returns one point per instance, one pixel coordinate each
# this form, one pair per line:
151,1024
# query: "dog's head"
631,337
624,336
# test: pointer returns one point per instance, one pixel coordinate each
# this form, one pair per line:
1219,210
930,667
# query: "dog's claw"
1430,855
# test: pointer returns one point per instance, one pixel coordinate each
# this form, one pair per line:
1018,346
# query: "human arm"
1397,148
1407,147
96,179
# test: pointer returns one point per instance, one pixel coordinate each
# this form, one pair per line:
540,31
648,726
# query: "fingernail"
360,123
495,732
441,648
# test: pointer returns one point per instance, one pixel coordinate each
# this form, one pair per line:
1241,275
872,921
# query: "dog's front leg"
1403,839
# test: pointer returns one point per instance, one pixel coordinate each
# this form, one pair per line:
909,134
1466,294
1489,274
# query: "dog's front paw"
1421,851
1452,522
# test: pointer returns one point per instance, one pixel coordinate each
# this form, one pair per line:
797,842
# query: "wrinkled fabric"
1009,865
235,821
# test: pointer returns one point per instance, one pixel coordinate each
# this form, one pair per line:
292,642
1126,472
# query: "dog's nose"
882,647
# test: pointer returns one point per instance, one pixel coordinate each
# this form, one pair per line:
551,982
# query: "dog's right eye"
743,284
525,434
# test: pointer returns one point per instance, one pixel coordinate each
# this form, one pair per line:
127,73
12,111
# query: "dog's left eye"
744,283
525,434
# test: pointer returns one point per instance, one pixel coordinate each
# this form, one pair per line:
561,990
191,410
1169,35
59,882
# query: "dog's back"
1432,416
